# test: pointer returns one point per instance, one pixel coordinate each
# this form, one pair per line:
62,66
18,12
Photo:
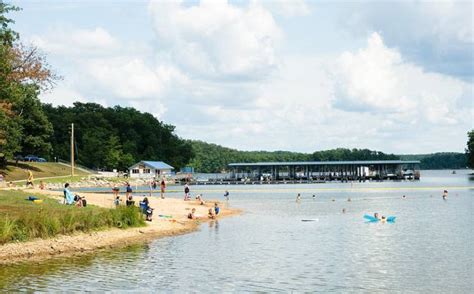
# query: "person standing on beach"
162,188
129,191
226,195
30,179
186,192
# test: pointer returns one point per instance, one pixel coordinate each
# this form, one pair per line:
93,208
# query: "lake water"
269,249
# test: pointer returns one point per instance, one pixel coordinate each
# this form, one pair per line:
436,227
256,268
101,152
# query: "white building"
149,169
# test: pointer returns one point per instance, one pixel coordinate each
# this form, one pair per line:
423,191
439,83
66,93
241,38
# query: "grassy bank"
22,220
16,172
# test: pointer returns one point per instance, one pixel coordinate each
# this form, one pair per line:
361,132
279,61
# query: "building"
149,169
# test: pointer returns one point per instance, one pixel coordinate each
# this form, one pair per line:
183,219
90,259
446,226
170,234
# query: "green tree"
23,71
470,149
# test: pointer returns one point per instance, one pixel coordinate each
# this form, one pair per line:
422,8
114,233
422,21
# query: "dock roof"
361,162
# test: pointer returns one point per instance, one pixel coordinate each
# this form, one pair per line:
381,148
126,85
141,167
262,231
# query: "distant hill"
212,158
440,160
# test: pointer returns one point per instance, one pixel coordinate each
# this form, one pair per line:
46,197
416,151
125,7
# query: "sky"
270,75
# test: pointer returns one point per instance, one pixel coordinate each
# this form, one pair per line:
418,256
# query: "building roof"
364,162
154,164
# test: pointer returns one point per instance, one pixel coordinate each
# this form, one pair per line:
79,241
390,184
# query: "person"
162,188
30,179
211,214
130,201
117,201
41,185
79,201
298,197
216,209
68,196
343,210
11,184
403,197
116,190
383,219
186,192
376,215
129,191
153,184
191,215
349,199
445,194
314,196
226,195
199,198
146,209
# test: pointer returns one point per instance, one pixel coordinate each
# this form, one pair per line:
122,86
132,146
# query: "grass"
14,172
23,220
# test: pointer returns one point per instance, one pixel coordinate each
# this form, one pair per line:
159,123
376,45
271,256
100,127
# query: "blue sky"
268,75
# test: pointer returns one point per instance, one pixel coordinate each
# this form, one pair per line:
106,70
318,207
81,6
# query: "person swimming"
298,197
445,194
376,215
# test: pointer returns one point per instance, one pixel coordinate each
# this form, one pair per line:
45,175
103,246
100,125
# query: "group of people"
213,212
154,185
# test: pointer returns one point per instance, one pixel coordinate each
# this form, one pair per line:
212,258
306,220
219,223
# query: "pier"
322,171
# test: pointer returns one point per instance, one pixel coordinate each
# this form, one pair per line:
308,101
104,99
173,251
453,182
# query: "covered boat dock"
321,171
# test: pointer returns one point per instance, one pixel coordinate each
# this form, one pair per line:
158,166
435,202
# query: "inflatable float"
372,219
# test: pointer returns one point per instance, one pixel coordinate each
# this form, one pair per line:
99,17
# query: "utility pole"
72,149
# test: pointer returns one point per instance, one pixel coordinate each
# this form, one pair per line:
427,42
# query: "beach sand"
111,238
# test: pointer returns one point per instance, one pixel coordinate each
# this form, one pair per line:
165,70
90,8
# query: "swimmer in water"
343,210
403,196
349,199
298,198
376,215
383,219
445,194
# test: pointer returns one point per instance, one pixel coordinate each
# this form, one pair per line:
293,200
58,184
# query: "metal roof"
153,164
368,162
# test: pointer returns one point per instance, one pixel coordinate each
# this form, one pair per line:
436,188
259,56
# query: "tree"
23,72
470,149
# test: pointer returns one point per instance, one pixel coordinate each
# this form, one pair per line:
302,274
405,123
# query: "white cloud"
217,40
289,8
62,41
438,35
377,79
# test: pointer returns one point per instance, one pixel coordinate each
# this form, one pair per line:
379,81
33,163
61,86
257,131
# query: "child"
191,214
117,201
211,214
216,208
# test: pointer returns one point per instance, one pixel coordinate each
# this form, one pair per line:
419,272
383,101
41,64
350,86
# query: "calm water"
269,249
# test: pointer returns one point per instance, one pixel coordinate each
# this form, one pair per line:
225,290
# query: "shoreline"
83,243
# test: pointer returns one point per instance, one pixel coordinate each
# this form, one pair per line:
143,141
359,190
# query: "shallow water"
267,249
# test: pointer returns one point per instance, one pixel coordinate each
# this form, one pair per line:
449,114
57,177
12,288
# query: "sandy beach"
88,242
